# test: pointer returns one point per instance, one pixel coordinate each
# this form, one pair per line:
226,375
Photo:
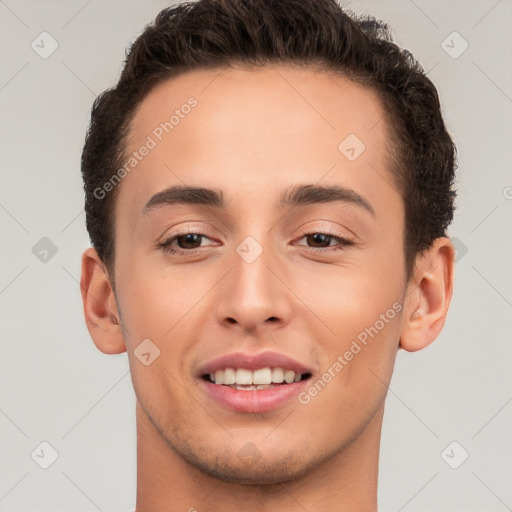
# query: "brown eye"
188,240
319,241
319,238
183,243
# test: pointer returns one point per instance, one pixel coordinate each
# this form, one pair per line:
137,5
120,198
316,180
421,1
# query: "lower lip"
253,400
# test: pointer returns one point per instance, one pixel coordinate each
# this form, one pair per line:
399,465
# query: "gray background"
55,386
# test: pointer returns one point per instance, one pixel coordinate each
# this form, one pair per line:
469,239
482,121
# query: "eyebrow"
298,195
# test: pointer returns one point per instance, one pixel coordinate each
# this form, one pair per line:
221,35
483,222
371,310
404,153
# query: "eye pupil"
320,238
190,238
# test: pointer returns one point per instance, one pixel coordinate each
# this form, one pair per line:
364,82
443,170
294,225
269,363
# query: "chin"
263,472
249,466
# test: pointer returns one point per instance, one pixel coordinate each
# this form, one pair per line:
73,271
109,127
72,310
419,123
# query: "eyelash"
344,243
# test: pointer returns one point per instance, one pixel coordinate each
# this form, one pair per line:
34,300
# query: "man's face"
263,277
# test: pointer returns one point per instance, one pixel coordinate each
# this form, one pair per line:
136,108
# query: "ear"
428,296
100,308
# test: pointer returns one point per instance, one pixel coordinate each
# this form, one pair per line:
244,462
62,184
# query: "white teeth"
242,376
257,379
262,376
289,375
254,386
229,376
277,375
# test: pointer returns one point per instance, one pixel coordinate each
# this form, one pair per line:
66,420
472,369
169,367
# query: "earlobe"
100,309
429,295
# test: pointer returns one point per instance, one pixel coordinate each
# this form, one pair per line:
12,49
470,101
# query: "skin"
253,133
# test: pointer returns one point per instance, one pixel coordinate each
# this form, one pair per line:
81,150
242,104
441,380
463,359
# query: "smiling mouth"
262,378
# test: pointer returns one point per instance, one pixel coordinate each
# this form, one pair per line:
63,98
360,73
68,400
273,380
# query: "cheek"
347,299
154,301
158,309
163,307
362,310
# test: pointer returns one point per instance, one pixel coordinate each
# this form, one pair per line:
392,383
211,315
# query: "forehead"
277,98
264,127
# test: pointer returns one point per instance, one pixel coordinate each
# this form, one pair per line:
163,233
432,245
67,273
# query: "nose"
254,295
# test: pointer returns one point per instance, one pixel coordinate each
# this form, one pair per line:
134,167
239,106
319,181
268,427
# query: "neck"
347,481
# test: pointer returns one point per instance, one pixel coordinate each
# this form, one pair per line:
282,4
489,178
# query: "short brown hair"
212,34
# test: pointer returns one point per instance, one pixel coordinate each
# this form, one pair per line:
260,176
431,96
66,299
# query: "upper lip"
253,362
